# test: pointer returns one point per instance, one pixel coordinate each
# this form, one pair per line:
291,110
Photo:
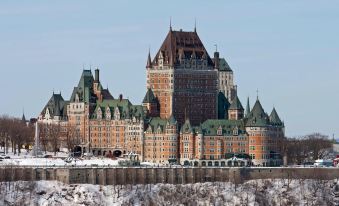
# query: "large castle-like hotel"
191,113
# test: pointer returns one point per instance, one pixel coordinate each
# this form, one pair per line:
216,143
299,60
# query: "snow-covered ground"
254,192
58,160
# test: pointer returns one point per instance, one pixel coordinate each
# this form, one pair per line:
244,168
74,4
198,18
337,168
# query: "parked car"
7,157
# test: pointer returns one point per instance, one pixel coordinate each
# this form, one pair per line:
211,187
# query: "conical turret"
236,110
274,118
257,117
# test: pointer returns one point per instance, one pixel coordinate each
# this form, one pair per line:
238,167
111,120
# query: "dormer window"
219,131
116,114
235,131
77,97
108,113
99,114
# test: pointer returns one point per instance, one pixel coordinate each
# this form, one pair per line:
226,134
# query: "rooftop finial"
216,47
195,24
257,94
170,23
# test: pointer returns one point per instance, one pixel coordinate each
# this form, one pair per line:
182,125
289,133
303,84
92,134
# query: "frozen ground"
254,192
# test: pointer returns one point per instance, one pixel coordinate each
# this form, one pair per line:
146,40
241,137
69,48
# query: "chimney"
216,60
120,97
97,75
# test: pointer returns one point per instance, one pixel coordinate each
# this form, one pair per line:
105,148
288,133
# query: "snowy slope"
254,192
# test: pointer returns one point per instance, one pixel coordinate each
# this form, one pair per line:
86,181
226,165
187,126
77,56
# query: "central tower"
184,78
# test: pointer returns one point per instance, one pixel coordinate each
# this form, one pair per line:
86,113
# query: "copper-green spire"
248,110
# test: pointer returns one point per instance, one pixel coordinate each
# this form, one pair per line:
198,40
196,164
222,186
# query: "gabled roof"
186,44
149,97
236,104
274,118
257,117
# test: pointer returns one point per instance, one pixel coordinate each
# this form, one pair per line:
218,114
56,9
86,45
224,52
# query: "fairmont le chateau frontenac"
190,115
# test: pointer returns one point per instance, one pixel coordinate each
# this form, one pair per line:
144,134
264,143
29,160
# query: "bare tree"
43,136
54,131
71,136
306,148
15,131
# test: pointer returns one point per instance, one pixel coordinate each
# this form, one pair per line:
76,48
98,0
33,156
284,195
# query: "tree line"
16,134
308,148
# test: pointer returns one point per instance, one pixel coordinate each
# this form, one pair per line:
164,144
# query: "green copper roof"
211,126
126,109
156,123
274,118
223,65
236,104
56,106
84,88
257,117
149,97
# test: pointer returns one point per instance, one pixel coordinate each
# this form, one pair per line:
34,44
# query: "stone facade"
191,113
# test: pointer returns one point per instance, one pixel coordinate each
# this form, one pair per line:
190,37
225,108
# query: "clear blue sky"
288,50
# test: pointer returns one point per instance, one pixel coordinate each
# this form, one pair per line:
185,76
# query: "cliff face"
254,192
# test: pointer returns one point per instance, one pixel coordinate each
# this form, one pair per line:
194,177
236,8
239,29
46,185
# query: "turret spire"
170,23
248,110
149,61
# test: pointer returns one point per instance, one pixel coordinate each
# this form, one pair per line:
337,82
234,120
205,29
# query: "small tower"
236,110
150,104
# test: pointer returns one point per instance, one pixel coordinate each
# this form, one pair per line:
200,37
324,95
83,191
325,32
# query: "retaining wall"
185,175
